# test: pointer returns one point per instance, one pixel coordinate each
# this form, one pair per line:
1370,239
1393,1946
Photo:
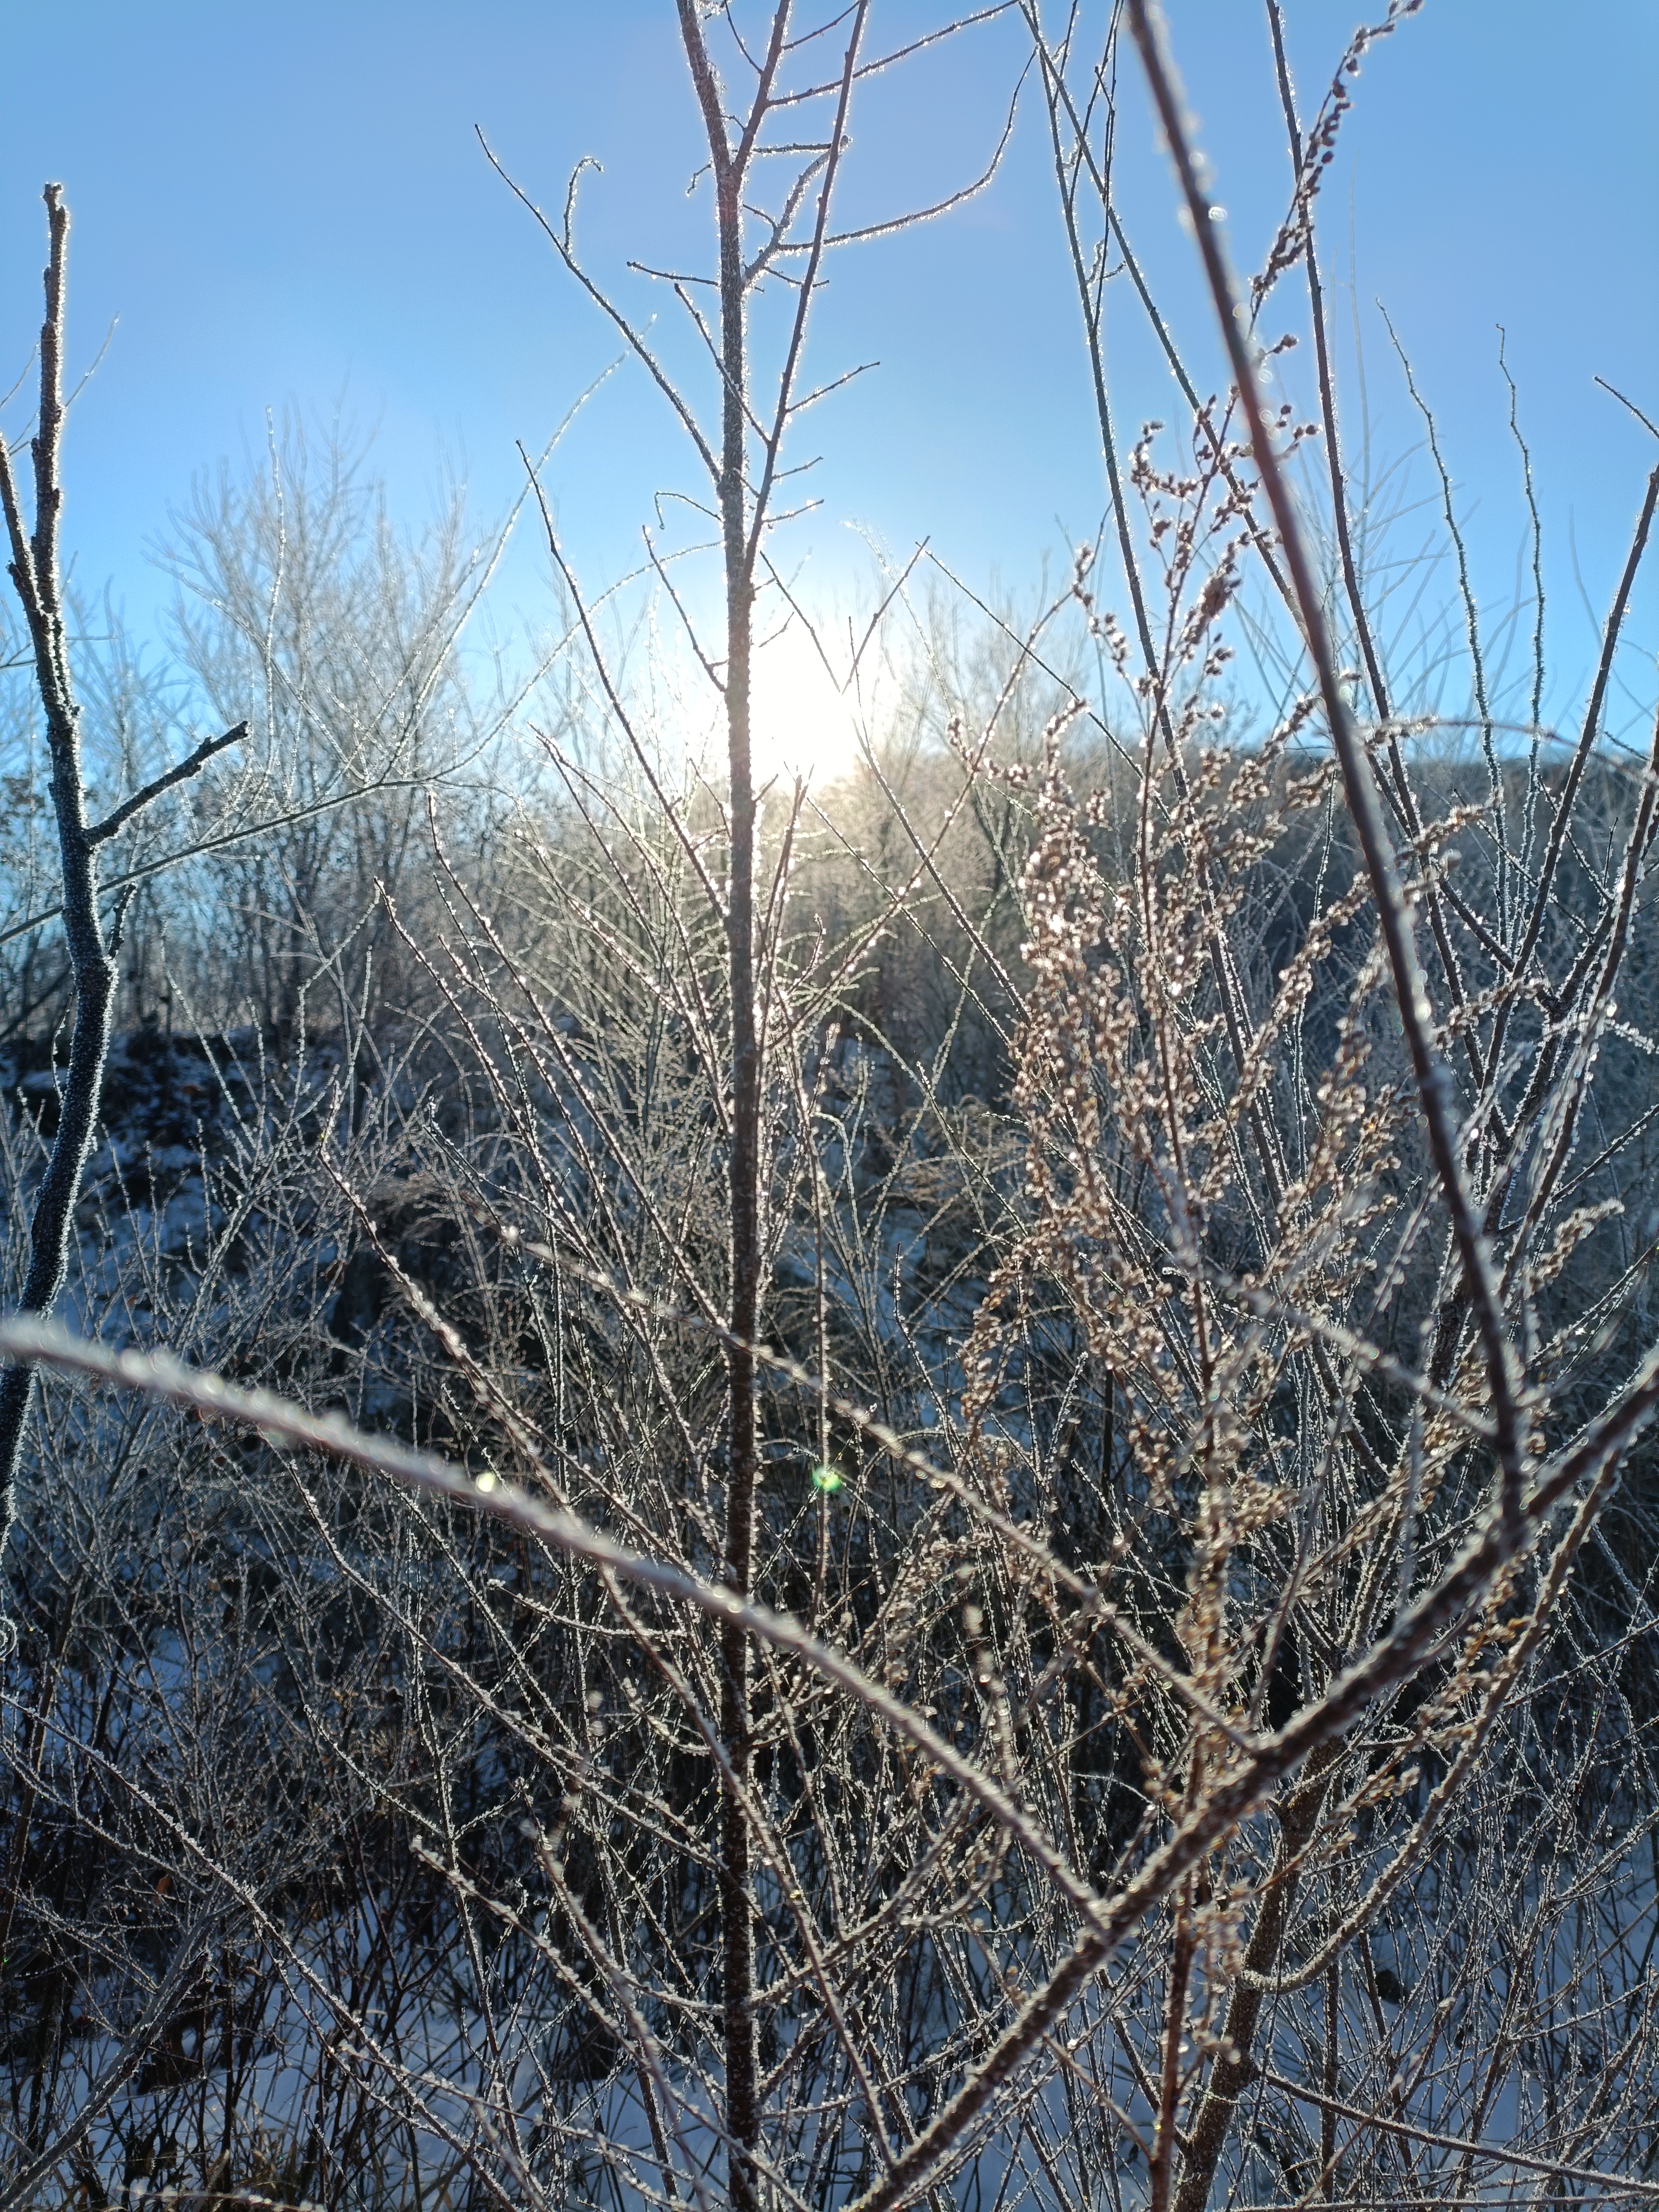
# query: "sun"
803,724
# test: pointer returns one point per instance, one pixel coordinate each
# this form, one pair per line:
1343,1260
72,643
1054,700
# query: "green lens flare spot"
827,1479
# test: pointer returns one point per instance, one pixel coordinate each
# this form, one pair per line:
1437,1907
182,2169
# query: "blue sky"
288,205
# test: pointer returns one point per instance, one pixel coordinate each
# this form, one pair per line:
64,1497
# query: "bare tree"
780,242
93,943
297,594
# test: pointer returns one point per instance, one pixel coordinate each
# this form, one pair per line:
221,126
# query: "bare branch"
99,832
634,340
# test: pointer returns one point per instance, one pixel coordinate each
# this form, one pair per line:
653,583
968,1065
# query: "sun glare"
803,725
